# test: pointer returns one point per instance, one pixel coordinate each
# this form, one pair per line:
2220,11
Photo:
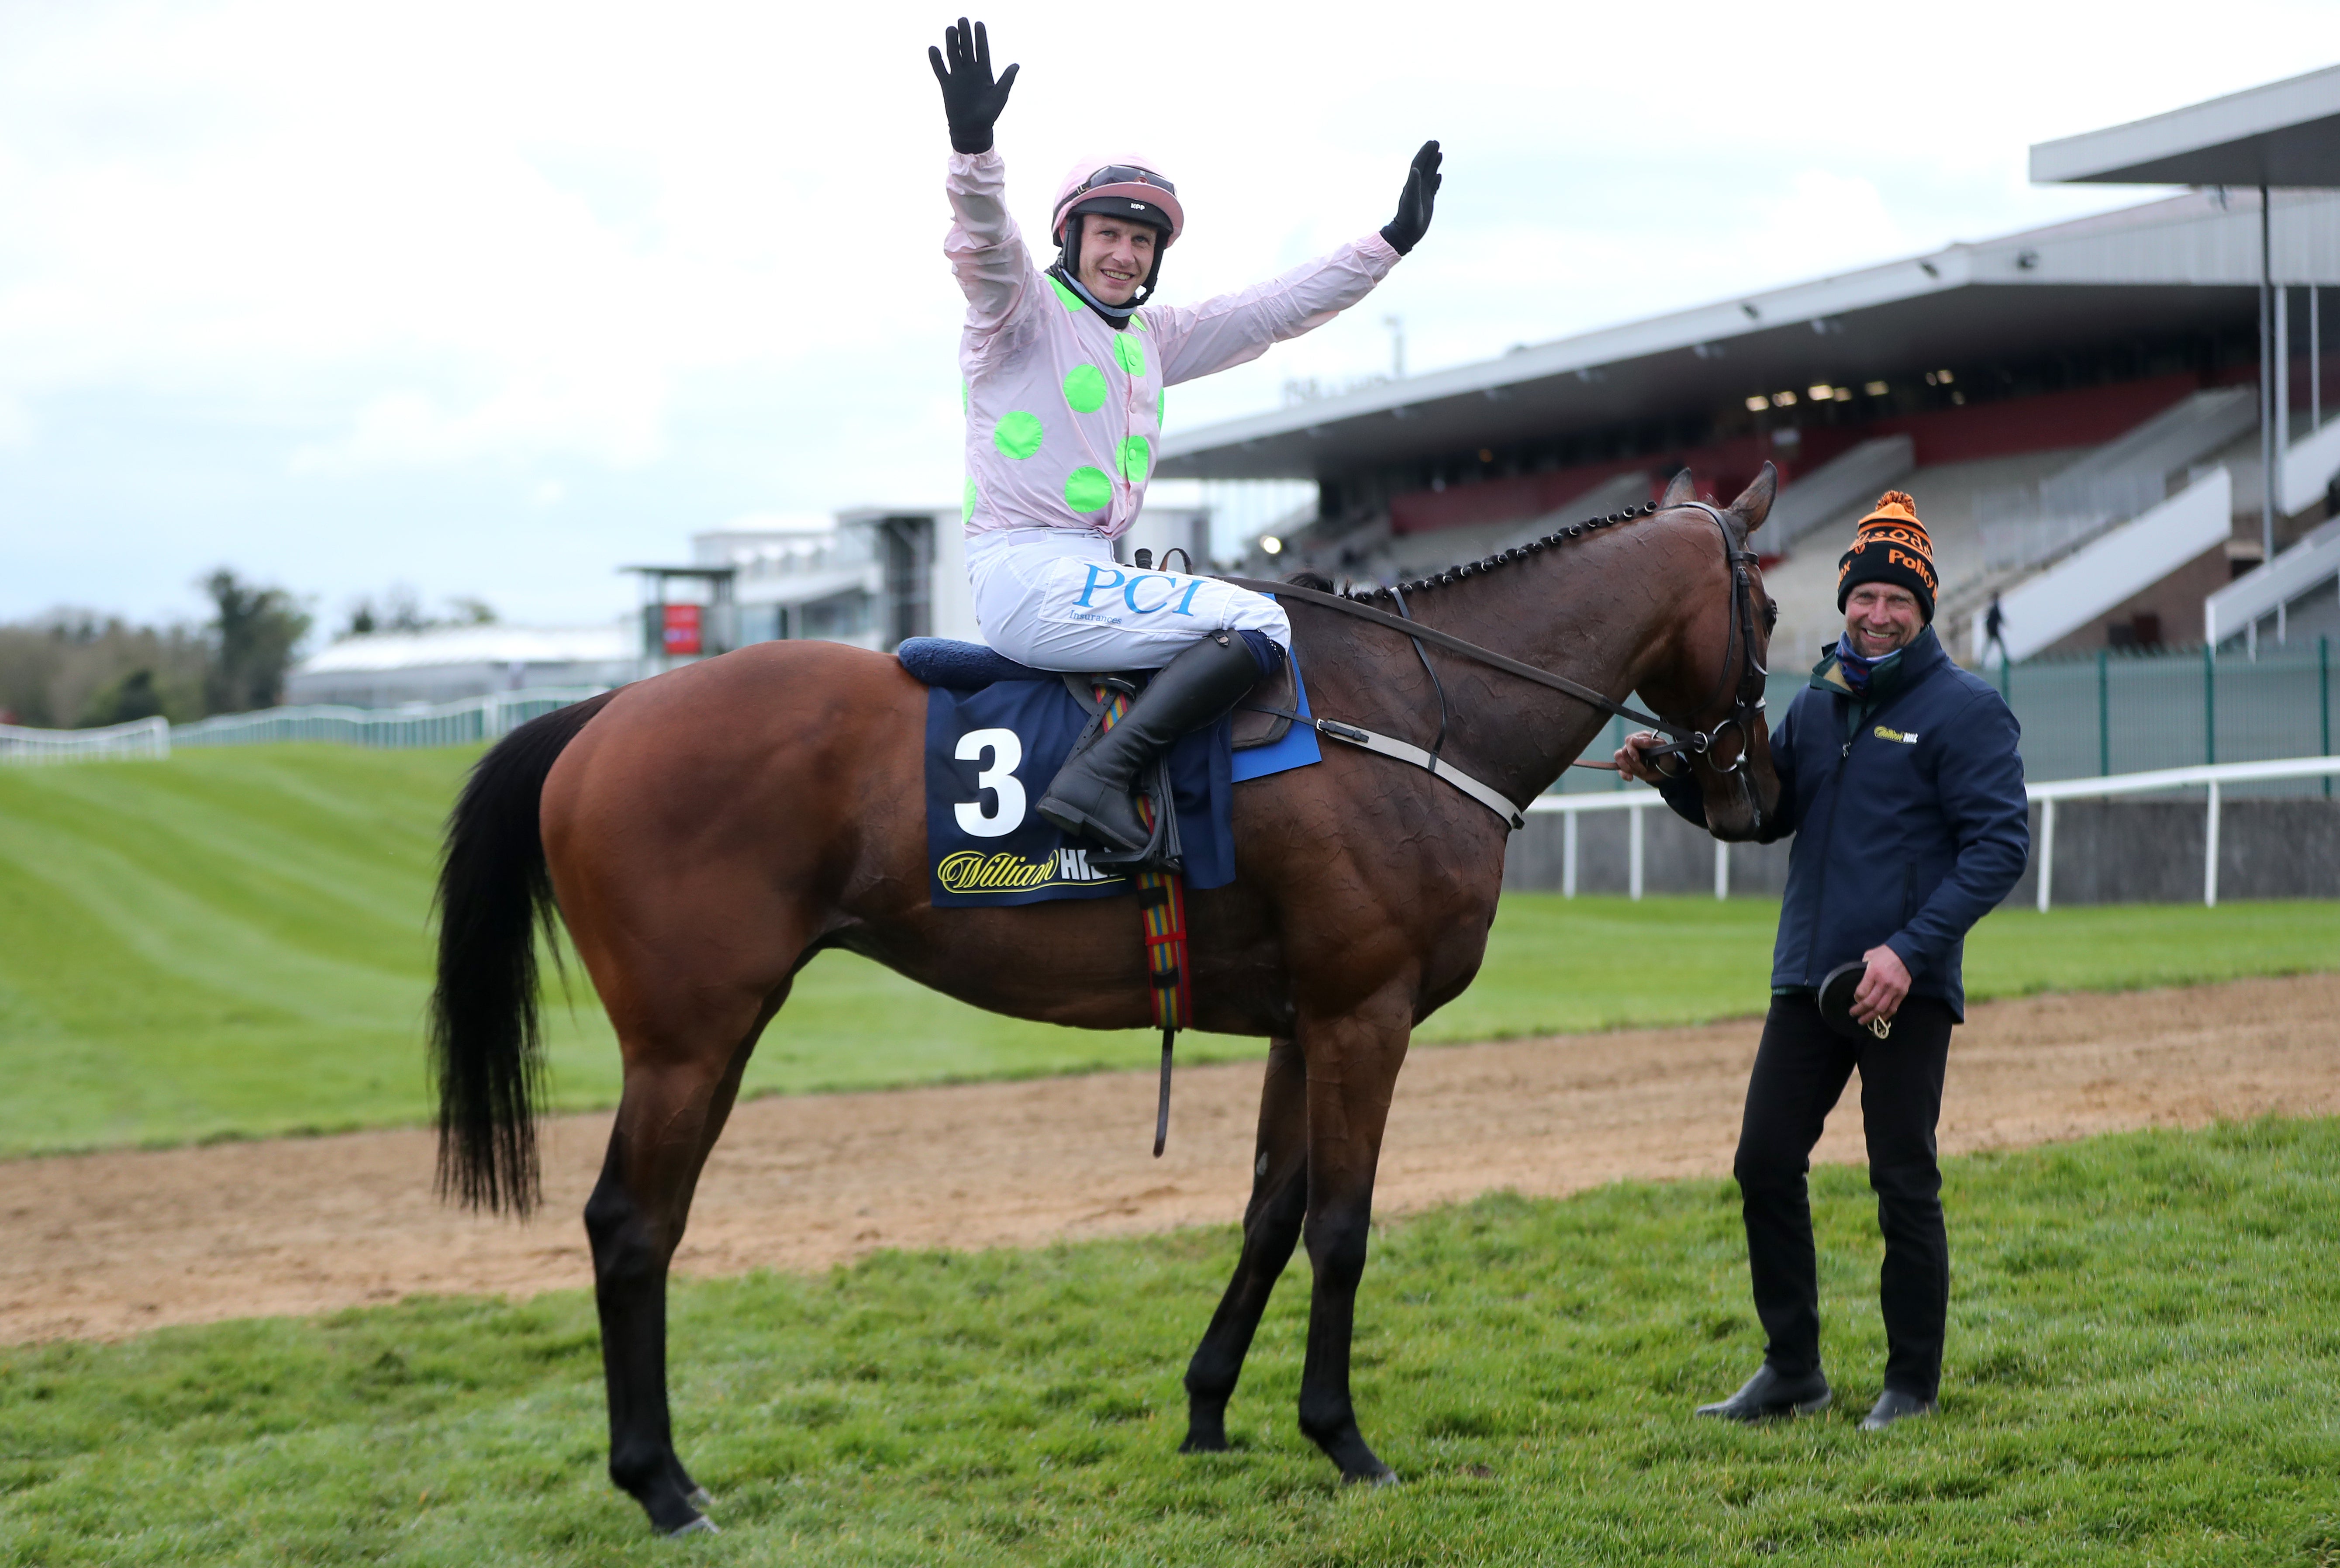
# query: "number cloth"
990,754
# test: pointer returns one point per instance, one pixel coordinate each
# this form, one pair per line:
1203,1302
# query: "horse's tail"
487,1050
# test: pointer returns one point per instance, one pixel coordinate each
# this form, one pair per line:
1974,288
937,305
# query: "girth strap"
1161,913
1389,745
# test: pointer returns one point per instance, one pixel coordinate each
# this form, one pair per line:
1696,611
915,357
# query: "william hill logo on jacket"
1907,737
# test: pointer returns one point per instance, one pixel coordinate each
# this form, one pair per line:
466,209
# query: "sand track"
106,1244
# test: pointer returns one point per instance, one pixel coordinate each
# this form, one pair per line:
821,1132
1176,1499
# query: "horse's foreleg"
667,1120
1353,1066
1279,1198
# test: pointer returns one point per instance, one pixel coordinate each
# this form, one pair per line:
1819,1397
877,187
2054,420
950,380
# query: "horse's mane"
1485,564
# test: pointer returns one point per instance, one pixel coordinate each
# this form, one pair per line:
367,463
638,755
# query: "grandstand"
2073,407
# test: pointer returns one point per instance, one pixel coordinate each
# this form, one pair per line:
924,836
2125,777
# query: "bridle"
1684,738
1753,675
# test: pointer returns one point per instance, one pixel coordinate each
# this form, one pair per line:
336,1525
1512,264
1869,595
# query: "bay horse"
704,835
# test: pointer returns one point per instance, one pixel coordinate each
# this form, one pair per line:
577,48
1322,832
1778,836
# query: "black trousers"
1801,1071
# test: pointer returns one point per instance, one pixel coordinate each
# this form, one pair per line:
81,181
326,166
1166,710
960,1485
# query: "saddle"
971,666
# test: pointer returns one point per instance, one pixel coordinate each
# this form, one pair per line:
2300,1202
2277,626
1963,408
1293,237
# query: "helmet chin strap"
1068,271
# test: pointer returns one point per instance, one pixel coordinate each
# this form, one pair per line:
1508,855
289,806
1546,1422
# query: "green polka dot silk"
967,501
1137,459
1130,353
1084,389
1018,434
1087,489
1071,300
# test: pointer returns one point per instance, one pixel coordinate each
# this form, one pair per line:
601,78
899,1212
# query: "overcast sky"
492,299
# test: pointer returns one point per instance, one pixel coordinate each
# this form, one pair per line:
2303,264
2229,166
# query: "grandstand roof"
2285,133
2137,270
490,644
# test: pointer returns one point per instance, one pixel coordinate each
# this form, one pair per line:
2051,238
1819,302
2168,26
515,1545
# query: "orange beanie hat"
1891,546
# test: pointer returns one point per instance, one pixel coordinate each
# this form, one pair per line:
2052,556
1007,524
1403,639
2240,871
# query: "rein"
1684,739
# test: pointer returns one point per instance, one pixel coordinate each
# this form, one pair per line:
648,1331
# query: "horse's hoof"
701,1498
1384,1477
702,1526
1206,1428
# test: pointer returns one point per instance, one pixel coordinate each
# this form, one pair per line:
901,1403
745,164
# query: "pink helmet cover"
1069,191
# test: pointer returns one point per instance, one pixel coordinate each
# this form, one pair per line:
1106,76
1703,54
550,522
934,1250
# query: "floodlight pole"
2270,435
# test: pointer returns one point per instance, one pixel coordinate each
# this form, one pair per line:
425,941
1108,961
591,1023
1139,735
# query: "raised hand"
971,99
1414,203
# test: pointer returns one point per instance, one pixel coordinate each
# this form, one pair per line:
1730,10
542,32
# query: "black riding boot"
1091,794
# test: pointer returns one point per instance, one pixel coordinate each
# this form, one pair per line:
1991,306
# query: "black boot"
1768,1394
1091,794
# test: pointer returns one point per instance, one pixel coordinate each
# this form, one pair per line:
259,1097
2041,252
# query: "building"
443,664
873,577
2079,409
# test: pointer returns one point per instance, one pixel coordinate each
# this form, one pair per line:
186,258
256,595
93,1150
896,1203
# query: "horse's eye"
1770,616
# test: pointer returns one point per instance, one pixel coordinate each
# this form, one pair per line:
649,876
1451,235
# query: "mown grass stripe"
2144,1357
236,941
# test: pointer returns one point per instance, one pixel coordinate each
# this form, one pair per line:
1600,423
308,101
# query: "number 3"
1008,755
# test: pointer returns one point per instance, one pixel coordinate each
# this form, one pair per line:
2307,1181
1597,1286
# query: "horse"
704,835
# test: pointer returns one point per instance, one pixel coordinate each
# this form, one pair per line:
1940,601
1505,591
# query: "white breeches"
1055,599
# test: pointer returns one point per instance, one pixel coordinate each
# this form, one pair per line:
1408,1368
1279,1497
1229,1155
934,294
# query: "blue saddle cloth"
997,732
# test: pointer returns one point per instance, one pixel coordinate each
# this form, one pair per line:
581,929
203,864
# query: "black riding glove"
971,99
1414,203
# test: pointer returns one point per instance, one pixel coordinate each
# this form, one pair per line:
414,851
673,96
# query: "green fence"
2115,714
2122,713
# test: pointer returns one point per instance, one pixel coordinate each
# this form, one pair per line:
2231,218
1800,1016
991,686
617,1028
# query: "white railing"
2121,479
1638,799
2120,563
139,738
416,725
1633,799
2270,587
2209,775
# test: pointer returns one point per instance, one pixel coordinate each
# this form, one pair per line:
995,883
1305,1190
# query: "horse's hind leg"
673,1109
1279,1200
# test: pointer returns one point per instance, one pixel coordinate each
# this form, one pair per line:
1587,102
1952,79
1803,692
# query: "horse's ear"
1754,503
1682,492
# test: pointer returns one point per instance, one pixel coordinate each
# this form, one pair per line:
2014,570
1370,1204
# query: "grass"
2144,1367
234,944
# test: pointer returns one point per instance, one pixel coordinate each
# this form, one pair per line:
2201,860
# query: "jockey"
1065,371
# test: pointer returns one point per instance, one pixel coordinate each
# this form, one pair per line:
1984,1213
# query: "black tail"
486,1047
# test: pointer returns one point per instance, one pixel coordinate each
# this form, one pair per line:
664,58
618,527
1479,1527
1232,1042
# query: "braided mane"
1479,567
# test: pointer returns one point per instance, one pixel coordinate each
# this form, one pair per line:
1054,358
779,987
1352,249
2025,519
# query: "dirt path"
102,1245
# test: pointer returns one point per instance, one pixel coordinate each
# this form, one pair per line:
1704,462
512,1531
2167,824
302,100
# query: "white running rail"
1633,799
149,737
2210,775
419,724
1639,799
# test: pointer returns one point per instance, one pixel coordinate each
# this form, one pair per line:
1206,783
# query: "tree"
253,633
400,608
135,696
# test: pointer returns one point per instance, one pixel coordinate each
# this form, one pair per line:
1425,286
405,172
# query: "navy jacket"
1909,819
